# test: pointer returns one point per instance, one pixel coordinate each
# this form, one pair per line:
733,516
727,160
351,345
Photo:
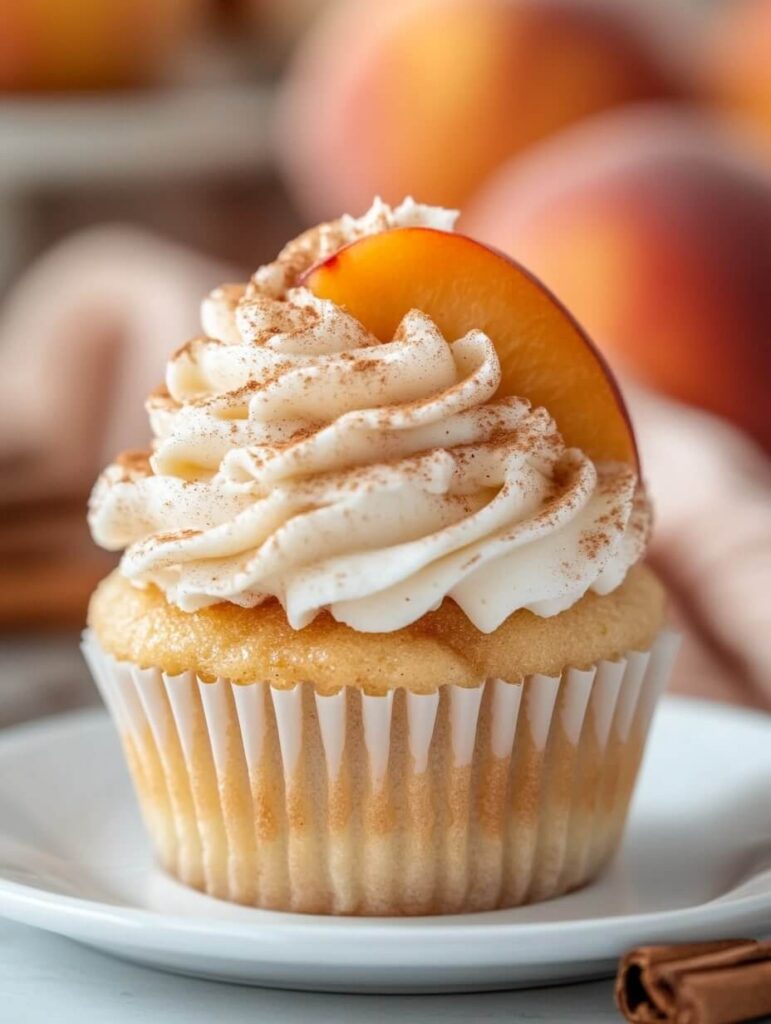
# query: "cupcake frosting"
298,457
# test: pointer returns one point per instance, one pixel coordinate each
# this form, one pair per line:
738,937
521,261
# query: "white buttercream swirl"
296,456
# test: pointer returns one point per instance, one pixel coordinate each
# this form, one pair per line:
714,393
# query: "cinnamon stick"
699,983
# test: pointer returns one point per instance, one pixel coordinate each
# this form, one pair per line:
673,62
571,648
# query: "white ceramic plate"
696,864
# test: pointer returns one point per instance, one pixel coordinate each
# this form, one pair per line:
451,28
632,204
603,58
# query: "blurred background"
621,149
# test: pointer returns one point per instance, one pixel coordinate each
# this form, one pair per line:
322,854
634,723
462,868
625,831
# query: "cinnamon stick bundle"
700,983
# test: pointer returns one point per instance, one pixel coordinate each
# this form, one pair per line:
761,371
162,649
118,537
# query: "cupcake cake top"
299,456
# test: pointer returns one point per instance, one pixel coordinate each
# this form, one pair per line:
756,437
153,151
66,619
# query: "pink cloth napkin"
84,336
711,488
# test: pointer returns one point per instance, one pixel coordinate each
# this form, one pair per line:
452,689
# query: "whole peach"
427,97
657,235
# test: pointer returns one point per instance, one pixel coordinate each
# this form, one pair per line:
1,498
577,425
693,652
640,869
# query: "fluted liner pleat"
460,800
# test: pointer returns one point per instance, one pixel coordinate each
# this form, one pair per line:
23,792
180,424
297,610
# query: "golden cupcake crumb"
247,645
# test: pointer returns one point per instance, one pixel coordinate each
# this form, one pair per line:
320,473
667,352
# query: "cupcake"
381,641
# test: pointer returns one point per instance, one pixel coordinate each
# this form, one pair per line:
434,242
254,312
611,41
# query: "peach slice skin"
545,356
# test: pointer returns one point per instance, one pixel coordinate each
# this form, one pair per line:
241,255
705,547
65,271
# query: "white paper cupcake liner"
463,799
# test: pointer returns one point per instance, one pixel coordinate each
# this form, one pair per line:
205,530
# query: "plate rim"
131,925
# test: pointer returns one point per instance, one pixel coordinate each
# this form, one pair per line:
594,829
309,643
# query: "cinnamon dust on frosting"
296,456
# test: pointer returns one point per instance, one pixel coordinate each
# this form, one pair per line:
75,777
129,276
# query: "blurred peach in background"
430,96
657,235
91,44
736,64
620,149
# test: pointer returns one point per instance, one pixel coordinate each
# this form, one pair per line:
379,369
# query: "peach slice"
462,284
